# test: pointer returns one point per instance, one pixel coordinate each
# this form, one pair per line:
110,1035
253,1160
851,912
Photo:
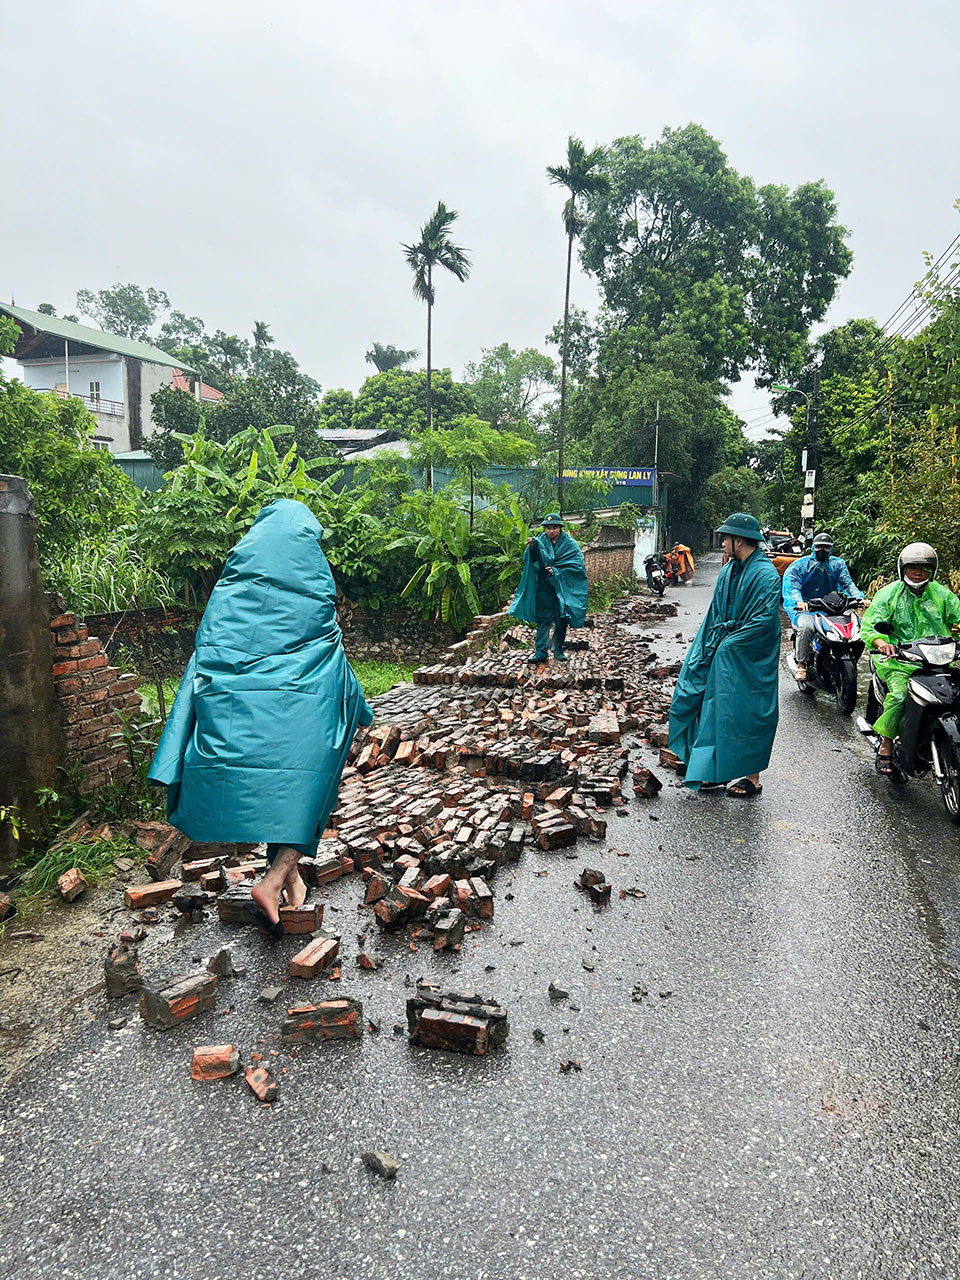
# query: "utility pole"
810,479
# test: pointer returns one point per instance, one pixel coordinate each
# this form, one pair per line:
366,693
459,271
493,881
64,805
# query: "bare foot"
296,889
266,894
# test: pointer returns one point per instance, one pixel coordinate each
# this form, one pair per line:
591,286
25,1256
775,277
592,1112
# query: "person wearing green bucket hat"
724,712
553,588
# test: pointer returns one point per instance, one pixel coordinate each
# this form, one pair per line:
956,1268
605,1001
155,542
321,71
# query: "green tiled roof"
57,328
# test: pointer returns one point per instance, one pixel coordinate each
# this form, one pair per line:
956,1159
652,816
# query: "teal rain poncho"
534,601
724,712
267,708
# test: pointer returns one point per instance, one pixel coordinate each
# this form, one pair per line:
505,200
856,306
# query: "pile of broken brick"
459,772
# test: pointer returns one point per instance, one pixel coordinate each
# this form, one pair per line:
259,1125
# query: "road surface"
782,1102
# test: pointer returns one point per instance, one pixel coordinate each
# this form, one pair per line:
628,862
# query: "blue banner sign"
614,475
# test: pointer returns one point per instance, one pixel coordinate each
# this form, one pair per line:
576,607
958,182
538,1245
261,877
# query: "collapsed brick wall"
92,695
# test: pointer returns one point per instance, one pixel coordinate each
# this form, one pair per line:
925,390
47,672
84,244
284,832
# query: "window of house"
94,390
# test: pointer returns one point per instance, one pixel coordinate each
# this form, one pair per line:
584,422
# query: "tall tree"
510,386
126,309
262,337
388,357
581,178
680,242
434,249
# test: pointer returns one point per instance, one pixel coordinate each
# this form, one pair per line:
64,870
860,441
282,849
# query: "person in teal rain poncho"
724,712
914,606
267,708
553,588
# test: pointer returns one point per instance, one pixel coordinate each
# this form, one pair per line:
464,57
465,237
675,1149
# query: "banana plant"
441,541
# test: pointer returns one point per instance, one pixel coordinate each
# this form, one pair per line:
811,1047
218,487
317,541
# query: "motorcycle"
656,579
929,737
837,648
670,568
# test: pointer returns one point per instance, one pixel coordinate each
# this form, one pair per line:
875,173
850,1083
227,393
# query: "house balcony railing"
96,404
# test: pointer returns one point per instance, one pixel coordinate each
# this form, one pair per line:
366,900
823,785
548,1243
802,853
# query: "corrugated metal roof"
58,328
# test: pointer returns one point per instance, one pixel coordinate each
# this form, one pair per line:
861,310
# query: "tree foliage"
127,309
511,387
79,494
389,357
681,243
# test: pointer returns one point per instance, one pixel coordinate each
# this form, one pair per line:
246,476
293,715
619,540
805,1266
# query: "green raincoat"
724,712
566,588
266,711
935,612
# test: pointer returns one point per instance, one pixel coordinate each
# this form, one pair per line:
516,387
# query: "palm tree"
262,337
580,177
388,357
434,249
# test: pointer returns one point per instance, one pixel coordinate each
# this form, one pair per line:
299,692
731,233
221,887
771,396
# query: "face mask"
916,587
822,553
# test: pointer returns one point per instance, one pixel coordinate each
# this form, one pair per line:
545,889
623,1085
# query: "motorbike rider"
682,558
916,605
809,578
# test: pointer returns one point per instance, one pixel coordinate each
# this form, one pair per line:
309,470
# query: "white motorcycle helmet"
918,555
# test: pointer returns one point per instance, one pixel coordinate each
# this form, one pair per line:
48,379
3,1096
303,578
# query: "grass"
602,594
378,677
375,677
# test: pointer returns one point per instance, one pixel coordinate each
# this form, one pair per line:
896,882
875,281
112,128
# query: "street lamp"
806,514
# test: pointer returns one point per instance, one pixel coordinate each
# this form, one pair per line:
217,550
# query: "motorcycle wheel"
950,784
658,588
845,687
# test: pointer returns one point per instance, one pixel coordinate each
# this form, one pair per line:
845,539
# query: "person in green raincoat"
262,722
724,712
553,588
914,606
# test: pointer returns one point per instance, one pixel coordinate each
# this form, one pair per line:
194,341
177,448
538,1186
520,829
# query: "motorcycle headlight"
939,655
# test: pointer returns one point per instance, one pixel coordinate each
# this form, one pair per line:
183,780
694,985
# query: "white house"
114,377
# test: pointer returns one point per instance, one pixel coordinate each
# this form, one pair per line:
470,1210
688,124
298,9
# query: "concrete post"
31,730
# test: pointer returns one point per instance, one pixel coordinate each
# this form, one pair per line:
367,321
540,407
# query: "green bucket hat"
741,525
552,521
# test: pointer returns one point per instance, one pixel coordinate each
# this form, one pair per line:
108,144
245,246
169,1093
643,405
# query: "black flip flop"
748,789
713,786
260,920
884,764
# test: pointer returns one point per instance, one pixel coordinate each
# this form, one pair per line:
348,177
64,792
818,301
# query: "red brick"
263,1083
63,620
440,1029
176,1001
71,884
314,958
91,663
305,919
215,1062
68,684
148,895
327,1020
64,668
88,647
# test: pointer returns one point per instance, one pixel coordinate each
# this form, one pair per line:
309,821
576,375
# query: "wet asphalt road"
783,1102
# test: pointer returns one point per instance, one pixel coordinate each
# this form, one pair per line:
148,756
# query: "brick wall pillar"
31,736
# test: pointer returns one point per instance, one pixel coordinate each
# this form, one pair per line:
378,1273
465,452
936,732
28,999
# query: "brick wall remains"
92,694
389,635
610,554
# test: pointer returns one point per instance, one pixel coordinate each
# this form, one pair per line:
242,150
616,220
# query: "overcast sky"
264,161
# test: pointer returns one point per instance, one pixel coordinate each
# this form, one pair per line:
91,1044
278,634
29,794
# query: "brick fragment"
263,1083
326,1020
305,919
382,1163
215,1062
121,972
314,958
148,895
71,884
167,1006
